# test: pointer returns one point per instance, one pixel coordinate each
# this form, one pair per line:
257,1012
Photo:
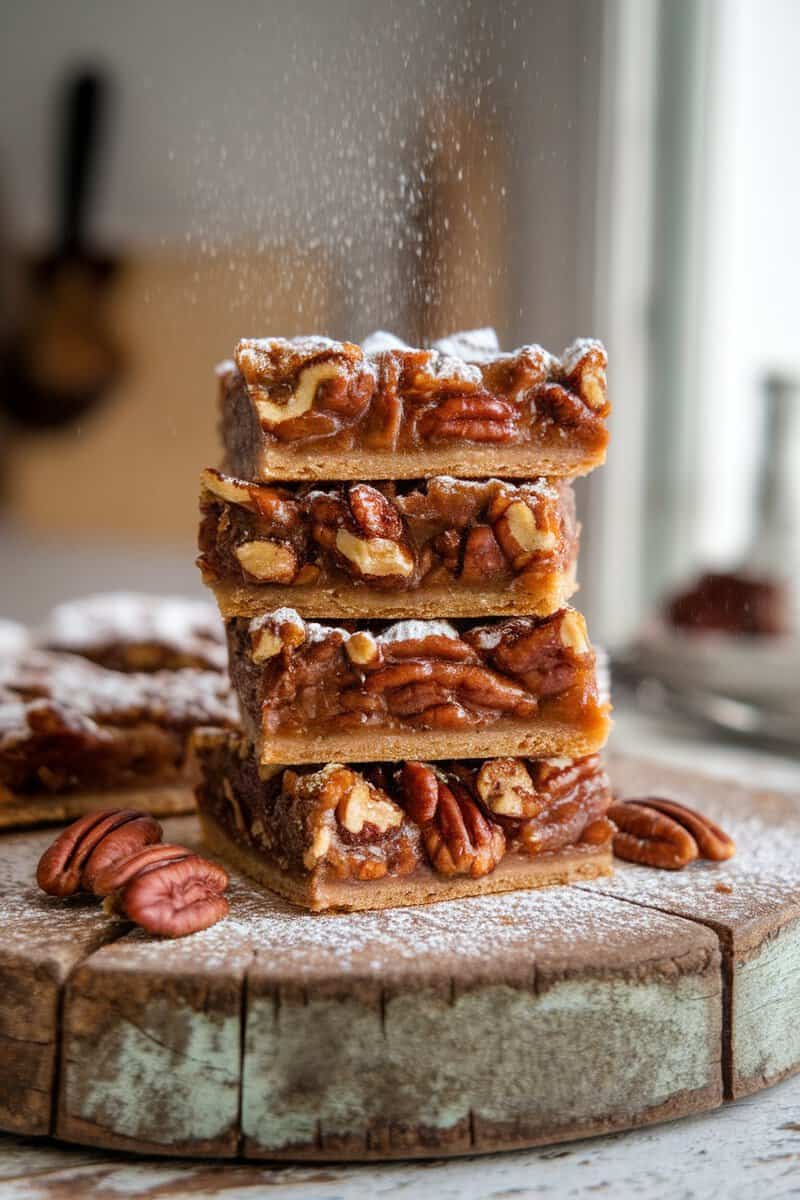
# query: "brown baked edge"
253,600
280,461
509,738
423,886
163,800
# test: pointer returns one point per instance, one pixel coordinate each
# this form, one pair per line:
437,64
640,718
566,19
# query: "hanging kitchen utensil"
62,359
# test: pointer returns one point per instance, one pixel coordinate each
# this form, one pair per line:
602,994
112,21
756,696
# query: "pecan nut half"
459,839
176,898
373,513
114,876
420,787
118,854
647,836
60,871
712,842
471,419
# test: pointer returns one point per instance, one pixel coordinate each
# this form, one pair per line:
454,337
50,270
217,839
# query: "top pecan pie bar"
313,408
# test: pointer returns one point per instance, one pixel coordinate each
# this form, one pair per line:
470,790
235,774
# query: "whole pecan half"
645,835
712,842
117,874
118,845
470,418
420,787
458,837
176,898
61,868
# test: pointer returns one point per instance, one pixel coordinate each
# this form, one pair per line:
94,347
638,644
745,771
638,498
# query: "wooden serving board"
462,1027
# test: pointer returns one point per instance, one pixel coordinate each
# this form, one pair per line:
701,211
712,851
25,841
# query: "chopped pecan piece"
518,534
666,834
506,788
268,561
483,557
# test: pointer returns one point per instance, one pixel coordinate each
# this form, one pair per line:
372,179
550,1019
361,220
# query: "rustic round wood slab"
461,1027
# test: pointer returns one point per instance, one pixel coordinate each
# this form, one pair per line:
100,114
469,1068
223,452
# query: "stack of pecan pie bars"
392,543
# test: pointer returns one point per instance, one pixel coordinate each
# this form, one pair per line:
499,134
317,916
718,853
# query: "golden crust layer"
534,738
247,600
516,871
19,811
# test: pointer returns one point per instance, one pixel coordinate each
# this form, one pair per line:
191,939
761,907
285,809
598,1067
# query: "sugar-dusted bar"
313,408
75,737
464,547
316,692
386,835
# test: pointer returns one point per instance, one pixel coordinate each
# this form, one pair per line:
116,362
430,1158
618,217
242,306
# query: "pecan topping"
373,513
470,418
458,838
664,833
385,538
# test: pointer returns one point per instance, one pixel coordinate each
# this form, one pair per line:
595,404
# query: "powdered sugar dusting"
380,341
473,345
411,630
546,926
764,875
84,626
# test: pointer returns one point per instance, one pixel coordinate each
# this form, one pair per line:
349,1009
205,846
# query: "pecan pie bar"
310,692
130,631
312,408
386,835
449,545
74,736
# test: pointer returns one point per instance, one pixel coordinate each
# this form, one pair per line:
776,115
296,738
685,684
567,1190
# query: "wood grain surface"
461,1027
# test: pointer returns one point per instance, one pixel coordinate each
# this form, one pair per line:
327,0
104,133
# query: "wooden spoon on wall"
62,359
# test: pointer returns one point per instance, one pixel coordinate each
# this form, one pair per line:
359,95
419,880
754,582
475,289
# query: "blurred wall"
751,258
288,165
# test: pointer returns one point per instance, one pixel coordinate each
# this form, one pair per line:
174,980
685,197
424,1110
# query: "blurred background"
174,176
